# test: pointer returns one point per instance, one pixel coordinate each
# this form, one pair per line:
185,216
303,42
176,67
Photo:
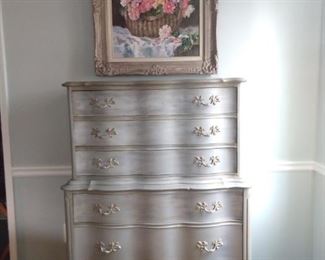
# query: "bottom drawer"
222,242
156,208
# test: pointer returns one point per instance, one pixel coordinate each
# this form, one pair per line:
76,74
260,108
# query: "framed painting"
155,37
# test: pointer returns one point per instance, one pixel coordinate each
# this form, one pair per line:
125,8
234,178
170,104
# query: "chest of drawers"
155,171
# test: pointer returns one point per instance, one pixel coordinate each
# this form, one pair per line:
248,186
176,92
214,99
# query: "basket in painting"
149,26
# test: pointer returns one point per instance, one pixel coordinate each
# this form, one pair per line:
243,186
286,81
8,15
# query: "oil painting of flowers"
155,28
155,37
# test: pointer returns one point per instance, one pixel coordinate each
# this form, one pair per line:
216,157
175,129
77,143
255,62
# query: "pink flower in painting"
134,13
124,3
135,8
169,7
188,11
146,5
177,41
165,32
135,3
185,4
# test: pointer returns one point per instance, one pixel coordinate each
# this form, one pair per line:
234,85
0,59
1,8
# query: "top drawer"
155,102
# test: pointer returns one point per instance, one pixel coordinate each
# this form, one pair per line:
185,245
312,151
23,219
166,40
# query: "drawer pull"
204,208
110,132
200,131
96,104
112,247
112,209
199,101
215,246
105,164
199,161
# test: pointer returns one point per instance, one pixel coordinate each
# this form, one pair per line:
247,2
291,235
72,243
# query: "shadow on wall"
319,217
43,129
39,247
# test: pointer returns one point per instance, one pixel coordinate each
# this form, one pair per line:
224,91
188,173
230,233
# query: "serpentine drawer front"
168,207
224,242
155,172
177,162
155,132
155,102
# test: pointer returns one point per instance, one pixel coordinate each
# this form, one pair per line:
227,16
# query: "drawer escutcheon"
199,161
200,131
199,101
97,105
204,208
215,246
96,133
105,164
112,209
112,247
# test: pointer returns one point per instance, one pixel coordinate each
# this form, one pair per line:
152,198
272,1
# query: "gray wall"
321,99
319,191
274,44
281,219
47,42
40,218
319,218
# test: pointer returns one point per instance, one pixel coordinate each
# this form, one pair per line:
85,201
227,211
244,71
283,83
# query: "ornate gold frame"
104,66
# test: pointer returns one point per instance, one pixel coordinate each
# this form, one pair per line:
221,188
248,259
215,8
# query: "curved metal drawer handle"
110,248
112,209
215,246
96,104
199,161
204,208
199,101
105,164
200,131
96,133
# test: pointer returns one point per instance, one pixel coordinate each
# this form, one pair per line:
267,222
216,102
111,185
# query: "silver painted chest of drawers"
155,171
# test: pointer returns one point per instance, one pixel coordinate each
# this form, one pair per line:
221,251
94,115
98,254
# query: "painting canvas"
155,37
156,28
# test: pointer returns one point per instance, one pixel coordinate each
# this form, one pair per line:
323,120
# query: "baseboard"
281,166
